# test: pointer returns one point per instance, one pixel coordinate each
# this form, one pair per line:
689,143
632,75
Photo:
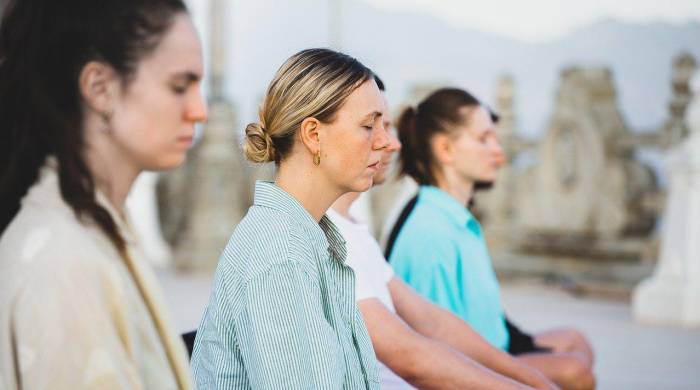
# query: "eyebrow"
374,115
188,76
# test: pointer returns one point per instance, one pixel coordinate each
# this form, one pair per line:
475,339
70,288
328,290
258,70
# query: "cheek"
148,128
352,153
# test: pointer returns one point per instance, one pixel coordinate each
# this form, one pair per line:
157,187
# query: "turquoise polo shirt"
442,254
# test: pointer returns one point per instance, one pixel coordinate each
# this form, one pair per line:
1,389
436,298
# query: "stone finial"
684,66
692,114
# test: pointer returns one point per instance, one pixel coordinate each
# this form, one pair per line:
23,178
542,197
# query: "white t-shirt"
372,276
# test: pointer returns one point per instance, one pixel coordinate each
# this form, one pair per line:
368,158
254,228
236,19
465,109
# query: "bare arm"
425,363
436,323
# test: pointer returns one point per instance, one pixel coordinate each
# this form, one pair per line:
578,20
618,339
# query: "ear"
443,150
98,83
309,134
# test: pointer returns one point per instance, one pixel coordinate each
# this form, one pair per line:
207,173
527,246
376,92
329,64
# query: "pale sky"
542,20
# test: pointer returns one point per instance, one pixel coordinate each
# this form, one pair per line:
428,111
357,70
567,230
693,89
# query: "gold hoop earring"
317,158
106,118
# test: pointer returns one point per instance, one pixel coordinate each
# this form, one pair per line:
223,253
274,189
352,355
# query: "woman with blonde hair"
282,312
91,94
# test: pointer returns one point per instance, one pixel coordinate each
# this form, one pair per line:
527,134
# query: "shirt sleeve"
282,336
436,282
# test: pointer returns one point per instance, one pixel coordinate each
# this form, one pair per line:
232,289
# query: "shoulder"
264,238
44,238
425,242
424,229
49,253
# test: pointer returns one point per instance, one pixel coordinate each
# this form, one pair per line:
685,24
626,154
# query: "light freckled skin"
348,147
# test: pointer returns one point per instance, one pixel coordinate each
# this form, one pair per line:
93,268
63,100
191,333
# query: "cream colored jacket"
73,313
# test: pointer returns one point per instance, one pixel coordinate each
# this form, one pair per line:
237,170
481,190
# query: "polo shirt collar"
449,206
325,236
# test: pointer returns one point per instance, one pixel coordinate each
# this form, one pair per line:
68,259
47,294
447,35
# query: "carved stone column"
672,294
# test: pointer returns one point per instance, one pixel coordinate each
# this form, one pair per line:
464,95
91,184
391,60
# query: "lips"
375,166
186,138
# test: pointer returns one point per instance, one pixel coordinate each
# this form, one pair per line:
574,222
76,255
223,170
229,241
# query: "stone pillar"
672,294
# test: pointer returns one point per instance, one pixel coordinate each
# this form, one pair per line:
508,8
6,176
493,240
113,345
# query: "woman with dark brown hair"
92,94
450,145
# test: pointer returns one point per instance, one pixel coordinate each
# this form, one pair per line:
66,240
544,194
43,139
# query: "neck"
113,175
343,204
457,187
300,181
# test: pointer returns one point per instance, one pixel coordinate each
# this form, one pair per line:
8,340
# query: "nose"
197,108
394,143
382,139
498,153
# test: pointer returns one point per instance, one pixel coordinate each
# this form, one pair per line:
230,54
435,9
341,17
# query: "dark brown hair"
439,113
44,44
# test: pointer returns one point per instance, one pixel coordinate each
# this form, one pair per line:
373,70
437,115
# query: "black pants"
521,342
189,340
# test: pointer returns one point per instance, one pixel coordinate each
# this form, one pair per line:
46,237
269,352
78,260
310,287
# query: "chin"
168,163
379,178
362,186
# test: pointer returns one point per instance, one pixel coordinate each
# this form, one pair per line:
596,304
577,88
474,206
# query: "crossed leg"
566,340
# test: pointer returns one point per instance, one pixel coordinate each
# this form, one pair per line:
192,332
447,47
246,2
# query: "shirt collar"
453,210
324,235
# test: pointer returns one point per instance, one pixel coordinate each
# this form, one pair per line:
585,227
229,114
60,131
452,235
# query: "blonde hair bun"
258,146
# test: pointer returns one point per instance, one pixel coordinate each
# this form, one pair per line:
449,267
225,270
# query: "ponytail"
439,113
415,155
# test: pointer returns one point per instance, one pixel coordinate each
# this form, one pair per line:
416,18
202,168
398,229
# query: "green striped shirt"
282,312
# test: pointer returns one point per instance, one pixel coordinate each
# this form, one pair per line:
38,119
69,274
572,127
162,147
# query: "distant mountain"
407,48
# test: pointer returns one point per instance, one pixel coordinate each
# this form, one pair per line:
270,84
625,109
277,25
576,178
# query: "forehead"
364,100
179,49
478,119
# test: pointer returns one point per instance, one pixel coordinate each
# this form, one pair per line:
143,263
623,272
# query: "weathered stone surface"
203,202
582,184
672,294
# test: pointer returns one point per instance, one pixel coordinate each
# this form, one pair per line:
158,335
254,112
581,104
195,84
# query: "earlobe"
309,134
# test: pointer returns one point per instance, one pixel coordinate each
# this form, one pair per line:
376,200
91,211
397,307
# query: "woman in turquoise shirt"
449,145
282,312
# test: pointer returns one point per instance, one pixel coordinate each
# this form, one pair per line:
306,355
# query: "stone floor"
629,355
